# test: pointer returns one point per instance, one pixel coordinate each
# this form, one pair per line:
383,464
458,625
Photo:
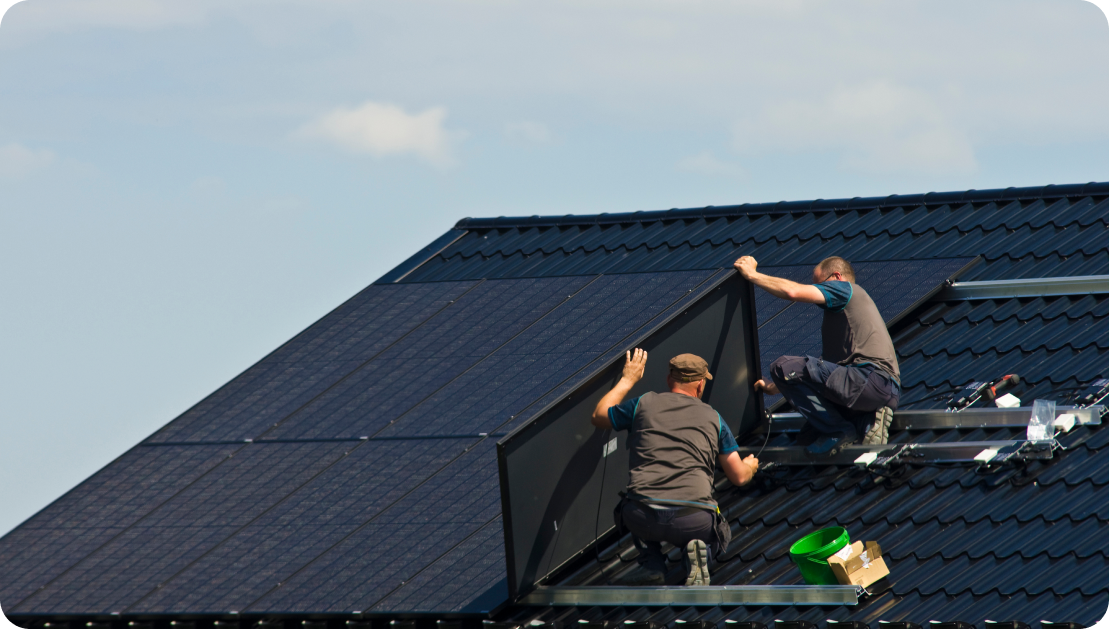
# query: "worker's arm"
633,372
739,471
778,286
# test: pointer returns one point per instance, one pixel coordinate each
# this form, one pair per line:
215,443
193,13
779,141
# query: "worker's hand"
751,461
746,266
633,369
768,388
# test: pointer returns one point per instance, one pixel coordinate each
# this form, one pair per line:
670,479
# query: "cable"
769,423
600,499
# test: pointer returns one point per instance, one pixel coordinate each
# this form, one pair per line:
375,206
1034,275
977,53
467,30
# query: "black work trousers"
835,399
650,527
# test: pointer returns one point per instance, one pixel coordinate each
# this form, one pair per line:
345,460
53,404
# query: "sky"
186,184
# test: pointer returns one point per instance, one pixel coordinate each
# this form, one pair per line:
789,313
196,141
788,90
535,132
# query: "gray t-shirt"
853,331
673,443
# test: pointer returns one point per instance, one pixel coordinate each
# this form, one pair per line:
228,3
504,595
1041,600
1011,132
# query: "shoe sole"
879,433
698,554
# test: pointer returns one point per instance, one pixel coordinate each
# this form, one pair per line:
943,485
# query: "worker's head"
833,268
688,374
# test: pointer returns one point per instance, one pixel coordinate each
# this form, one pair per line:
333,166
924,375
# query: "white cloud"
876,127
18,161
526,132
381,129
708,164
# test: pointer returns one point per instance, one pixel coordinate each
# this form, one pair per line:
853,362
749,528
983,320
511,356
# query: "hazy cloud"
877,127
708,164
381,129
18,161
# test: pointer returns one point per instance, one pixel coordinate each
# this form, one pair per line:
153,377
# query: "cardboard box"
859,564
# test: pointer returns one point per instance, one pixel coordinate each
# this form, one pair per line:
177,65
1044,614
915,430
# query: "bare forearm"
778,286
610,399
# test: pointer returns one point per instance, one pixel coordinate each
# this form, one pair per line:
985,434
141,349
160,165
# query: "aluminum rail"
696,595
884,455
1033,287
935,419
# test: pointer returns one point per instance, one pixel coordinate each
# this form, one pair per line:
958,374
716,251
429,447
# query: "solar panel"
383,554
468,579
542,357
429,358
96,511
302,527
183,528
311,362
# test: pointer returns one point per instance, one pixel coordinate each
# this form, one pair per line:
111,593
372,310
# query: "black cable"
600,499
930,397
769,423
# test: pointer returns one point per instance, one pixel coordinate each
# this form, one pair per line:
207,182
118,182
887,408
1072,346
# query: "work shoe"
697,555
642,575
828,445
878,433
806,435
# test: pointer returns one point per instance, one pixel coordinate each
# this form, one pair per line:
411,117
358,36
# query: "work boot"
806,435
829,445
697,555
878,433
642,575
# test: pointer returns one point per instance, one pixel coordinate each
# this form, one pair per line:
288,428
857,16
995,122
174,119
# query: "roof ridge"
782,207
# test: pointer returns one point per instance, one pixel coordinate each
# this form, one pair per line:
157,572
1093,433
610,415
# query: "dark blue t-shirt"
622,415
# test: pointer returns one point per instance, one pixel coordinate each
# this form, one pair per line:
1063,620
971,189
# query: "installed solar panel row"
309,517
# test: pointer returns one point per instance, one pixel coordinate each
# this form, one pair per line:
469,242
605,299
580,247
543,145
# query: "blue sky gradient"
186,185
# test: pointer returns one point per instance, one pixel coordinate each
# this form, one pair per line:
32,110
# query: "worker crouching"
674,441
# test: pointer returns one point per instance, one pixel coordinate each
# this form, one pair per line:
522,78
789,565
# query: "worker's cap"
689,368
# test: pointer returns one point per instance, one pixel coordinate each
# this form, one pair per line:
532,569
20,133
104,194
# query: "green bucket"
811,553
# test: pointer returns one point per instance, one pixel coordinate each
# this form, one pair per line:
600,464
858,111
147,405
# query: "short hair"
836,264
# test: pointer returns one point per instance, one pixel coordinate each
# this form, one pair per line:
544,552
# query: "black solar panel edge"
421,257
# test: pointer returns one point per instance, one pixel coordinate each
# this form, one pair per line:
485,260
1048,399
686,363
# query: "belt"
680,512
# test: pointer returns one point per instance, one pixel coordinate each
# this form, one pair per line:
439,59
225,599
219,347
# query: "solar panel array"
353,469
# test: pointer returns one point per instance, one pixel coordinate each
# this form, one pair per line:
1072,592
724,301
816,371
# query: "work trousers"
650,527
835,399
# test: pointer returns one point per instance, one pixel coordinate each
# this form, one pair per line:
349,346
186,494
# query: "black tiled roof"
352,495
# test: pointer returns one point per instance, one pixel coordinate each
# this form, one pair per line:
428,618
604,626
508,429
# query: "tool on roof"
975,391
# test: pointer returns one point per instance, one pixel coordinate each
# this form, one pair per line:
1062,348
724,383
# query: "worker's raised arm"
633,372
739,471
778,286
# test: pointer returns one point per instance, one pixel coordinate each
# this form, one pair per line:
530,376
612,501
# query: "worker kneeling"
674,442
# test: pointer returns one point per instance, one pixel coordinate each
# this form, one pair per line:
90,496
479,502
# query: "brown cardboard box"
853,570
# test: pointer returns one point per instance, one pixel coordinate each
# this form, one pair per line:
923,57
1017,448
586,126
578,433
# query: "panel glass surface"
429,358
544,356
96,511
398,544
372,477
311,362
184,528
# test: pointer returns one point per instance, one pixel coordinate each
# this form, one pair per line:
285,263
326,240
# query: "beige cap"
689,368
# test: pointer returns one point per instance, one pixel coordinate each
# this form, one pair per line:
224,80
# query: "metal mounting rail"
934,419
703,595
1033,287
950,452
